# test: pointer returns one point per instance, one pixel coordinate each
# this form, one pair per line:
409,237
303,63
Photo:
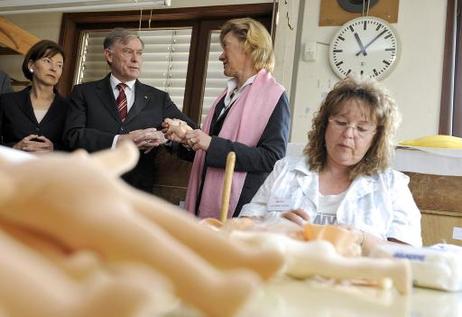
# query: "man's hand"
144,139
298,216
35,143
198,140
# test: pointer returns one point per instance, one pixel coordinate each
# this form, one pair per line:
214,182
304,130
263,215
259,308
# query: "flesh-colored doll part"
320,258
177,127
230,225
75,203
34,285
344,241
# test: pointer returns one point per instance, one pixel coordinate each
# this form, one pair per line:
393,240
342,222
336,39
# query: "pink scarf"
244,123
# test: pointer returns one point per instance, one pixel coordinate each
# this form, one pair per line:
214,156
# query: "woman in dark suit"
32,120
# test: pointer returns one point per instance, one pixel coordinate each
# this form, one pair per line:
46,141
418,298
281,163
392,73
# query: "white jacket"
380,204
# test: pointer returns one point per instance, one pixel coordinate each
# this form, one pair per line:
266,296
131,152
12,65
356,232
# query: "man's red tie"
122,102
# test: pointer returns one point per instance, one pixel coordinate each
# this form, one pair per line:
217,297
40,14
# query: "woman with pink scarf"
251,117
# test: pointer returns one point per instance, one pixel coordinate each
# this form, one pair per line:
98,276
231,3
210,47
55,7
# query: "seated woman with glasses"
344,177
32,120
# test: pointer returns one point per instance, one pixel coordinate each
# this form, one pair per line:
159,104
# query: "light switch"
457,233
310,52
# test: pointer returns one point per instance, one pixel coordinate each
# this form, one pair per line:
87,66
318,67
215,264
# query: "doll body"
77,202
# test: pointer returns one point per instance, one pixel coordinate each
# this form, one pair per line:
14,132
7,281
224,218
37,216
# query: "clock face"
367,46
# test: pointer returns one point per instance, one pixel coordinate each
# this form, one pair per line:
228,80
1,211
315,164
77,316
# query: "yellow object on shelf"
438,141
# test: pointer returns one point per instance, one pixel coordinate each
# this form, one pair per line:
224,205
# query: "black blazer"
93,122
17,119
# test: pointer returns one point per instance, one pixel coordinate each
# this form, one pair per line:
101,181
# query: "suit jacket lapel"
25,104
141,99
104,92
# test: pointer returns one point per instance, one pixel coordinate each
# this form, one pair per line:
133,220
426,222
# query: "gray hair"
120,35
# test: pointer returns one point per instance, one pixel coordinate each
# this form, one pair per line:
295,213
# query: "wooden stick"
228,180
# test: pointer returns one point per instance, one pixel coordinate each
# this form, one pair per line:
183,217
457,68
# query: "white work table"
293,298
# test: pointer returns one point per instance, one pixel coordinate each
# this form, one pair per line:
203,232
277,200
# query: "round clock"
367,46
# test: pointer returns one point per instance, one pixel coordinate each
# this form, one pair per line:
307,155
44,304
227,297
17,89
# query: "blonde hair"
382,109
256,41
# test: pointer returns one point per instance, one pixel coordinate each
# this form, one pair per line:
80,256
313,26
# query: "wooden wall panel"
439,198
438,228
331,13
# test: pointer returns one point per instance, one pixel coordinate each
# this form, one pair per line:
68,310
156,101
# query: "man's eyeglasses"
362,129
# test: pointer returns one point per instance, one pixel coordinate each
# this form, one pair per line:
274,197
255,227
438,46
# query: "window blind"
165,59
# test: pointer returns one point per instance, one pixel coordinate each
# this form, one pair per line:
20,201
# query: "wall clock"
367,46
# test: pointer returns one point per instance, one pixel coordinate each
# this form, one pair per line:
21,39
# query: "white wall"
415,82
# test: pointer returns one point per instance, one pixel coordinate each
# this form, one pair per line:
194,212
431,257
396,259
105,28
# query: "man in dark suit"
119,107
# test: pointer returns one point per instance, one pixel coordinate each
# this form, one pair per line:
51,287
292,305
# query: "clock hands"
372,41
361,46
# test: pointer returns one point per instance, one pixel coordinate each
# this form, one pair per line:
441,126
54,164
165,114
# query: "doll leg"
305,259
113,230
320,258
208,244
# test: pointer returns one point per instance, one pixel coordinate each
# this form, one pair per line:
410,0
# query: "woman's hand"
298,216
198,140
35,143
175,130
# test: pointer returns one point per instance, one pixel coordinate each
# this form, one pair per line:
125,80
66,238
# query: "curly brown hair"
382,108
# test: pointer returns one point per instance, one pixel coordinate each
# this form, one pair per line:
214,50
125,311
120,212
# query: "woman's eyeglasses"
362,129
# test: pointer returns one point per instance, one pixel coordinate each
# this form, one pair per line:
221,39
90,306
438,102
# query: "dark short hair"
43,48
122,35
382,109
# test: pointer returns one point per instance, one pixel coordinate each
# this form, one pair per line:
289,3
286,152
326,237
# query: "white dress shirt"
233,93
129,90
